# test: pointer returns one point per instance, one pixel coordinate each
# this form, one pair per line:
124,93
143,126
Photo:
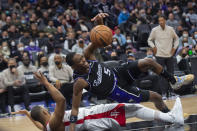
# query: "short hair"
11,59
36,113
69,58
162,16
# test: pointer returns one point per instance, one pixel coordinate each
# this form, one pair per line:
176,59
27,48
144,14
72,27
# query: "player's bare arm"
56,119
89,51
78,87
36,123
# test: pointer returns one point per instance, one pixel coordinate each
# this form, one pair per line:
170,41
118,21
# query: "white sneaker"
177,112
182,80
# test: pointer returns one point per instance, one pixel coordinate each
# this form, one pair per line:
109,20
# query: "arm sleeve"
176,39
51,75
151,39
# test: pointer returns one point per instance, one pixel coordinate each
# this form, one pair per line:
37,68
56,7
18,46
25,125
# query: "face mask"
150,56
57,51
57,62
45,63
183,55
13,43
114,58
21,49
124,12
175,12
23,21
31,44
5,48
26,64
195,36
187,19
185,44
143,15
185,35
128,41
115,43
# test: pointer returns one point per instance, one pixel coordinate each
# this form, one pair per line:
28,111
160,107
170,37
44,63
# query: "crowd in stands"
36,35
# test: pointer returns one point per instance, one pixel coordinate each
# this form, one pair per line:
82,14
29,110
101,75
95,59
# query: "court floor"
22,123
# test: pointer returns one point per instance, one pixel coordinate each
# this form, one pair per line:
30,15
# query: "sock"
165,110
163,117
168,76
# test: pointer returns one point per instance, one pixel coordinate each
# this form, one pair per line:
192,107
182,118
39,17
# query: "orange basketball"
101,35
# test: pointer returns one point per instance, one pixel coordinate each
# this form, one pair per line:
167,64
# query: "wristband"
73,119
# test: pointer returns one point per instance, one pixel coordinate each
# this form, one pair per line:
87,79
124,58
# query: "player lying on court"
115,83
95,118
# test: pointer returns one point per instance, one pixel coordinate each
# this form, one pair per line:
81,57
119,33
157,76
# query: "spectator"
81,26
143,31
19,53
57,50
50,27
121,38
25,39
123,16
5,37
3,63
79,47
192,16
172,22
5,50
61,75
70,41
42,41
60,36
130,57
149,53
44,69
13,32
33,50
14,81
185,39
195,37
65,25
164,42
26,67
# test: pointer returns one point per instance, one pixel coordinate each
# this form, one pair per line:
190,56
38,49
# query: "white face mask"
31,44
128,41
21,48
5,48
115,43
185,35
13,43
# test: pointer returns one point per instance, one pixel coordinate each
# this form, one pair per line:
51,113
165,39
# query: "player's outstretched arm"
78,87
89,51
57,117
25,112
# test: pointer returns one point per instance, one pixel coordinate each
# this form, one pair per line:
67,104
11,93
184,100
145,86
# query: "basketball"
101,35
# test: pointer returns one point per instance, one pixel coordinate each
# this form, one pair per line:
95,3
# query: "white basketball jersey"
98,118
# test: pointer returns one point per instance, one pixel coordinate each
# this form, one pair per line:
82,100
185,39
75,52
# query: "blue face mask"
23,21
149,56
187,19
195,36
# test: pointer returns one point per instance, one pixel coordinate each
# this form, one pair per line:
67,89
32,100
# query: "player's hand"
99,16
25,112
41,77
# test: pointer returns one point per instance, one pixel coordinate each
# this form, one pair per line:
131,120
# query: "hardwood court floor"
21,123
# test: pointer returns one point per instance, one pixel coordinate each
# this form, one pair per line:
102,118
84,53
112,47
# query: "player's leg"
176,82
147,63
139,111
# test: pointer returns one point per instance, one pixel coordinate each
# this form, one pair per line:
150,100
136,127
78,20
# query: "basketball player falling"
114,83
95,118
